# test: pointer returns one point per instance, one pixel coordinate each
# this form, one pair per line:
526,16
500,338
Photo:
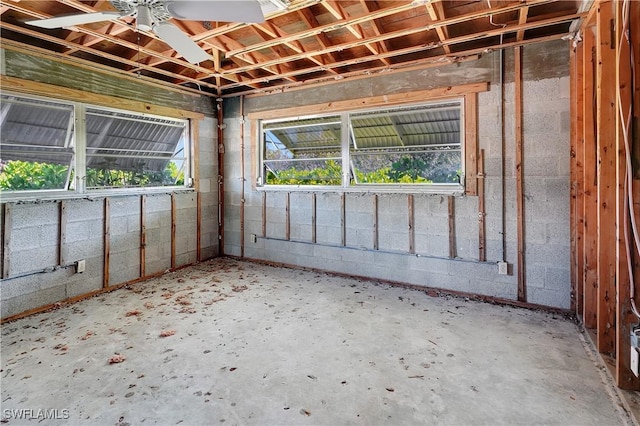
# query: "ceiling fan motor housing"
157,8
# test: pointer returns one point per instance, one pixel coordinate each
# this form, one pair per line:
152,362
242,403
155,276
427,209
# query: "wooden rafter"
436,15
311,41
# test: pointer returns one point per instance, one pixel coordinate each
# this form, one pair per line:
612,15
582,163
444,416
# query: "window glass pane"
303,152
410,145
36,144
127,150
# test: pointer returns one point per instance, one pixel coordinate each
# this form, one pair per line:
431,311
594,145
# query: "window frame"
466,95
77,189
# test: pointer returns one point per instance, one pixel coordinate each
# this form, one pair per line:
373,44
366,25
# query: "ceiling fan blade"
181,43
248,11
71,20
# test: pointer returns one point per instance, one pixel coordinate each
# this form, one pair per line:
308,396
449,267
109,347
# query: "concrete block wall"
546,169
39,263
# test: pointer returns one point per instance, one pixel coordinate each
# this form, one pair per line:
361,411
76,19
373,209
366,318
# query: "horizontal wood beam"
43,89
373,101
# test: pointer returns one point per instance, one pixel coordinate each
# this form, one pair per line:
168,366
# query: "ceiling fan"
153,15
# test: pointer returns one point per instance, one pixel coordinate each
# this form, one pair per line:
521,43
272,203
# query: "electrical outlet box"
80,266
635,360
503,268
254,238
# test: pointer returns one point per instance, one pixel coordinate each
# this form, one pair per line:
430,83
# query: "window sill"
19,197
443,189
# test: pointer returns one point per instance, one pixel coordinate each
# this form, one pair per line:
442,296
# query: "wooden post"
590,207
573,217
519,159
199,228
107,242
6,240
173,230
63,218
482,239
221,152
452,226
471,141
313,218
412,230
343,221
287,224
607,158
577,121
143,235
375,221
264,214
625,319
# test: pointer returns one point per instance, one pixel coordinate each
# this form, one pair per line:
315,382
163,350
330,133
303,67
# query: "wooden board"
482,237
607,158
107,242
173,230
372,101
590,205
471,143
519,160
143,235
573,217
412,228
625,319
451,203
578,163
58,92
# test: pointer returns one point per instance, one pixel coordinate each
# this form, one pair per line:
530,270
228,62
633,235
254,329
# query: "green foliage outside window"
23,175
407,170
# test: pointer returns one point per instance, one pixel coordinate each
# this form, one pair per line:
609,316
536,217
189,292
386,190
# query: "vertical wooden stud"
107,242
625,318
607,157
143,235
471,142
343,222
264,214
173,230
313,218
199,228
573,217
482,238
578,173
287,224
519,159
590,188
412,230
6,240
452,226
375,222
63,218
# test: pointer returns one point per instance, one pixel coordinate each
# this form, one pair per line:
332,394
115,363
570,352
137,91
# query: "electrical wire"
628,180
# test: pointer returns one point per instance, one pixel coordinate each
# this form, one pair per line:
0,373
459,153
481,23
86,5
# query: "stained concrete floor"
251,344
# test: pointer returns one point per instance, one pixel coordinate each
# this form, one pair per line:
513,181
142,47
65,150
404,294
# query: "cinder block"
548,297
535,275
557,279
84,249
32,260
85,210
124,206
27,215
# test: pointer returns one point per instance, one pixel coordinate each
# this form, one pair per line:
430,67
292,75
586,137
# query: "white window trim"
79,160
455,189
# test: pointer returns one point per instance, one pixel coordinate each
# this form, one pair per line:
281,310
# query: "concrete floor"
261,345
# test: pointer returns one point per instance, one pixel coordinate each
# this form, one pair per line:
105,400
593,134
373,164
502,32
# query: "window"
60,147
417,146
